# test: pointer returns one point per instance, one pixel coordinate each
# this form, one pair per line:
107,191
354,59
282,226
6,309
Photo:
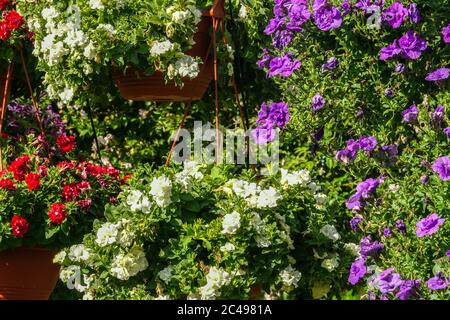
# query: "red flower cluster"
12,20
19,226
65,143
19,167
70,192
32,181
7,184
3,4
57,213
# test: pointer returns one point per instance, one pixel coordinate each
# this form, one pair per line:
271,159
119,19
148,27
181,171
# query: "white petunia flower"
166,274
290,277
180,16
96,4
268,198
227,247
187,67
231,222
161,190
160,48
330,232
138,201
107,234
321,198
331,263
128,265
78,253
60,257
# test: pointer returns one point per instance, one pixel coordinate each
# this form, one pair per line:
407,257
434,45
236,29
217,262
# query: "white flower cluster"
75,279
231,222
190,173
161,190
260,227
166,274
111,233
64,38
138,201
330,232
253,194
331,262
186,67
215,280
290,277
78,253
130,264
160,48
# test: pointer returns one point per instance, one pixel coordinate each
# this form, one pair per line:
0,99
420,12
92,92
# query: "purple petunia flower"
388,281
367,187
354,202
438,75
390,51
410,115
264,134
298,14
395,15
446,34
318,102
346,156
400,68
346,7
276,114
283,66
331,64
442,167
369,248
357,271
424,179
391,150
273,25
408,289
265,59
448,254
429,225
447,131
414,14
367,143
412,45
282,39
389,93
387,232
355,221
401,226
326,16
368,7
437,116
438,282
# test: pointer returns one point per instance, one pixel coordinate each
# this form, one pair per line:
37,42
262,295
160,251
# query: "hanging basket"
27,274
134,85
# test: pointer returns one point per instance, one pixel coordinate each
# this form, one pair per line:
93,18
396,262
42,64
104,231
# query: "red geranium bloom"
57,213
7,184
32,181
64,165
5,32
19,226
70,192
95,170
84,185
85,204
66,143
19,167
13,20
3,4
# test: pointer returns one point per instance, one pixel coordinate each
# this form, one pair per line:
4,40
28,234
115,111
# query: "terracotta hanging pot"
134,85
27,274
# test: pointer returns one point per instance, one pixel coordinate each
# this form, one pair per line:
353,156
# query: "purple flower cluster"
357,271
401,226
410,45
350,152
368,7
269,118
355,221
429,225
395,15
411,114
326,16
388,281
330,65
283,66
442,168
446,34
438,74
318,102
437,117
364,191
438,282
369,248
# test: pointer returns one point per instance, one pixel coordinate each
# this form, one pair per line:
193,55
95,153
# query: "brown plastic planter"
27,274
134,85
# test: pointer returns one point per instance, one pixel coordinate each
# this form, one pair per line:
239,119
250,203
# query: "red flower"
85,204
7,184
42,171
32,181
13,20
19,167
113,172
70,192
5,32
95,170
19,226
57,213
84,185
64,165
3,4
126,178
66,143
